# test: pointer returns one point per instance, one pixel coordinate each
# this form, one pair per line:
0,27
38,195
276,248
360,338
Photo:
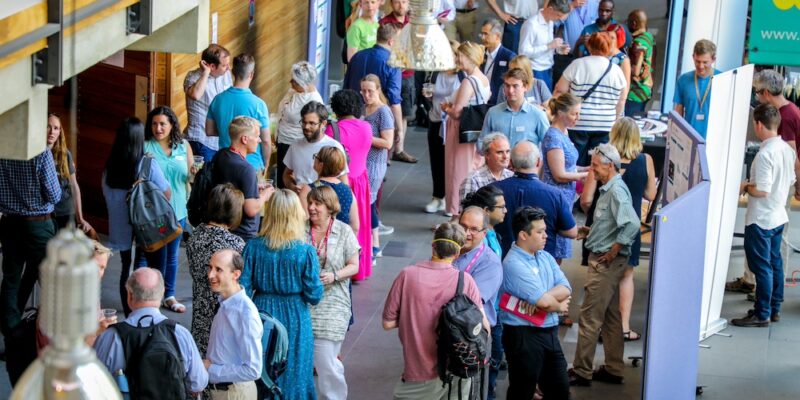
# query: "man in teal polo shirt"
693,90
238,101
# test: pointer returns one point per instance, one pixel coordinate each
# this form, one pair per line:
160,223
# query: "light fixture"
422,45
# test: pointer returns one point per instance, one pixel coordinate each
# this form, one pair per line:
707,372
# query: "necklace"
322,246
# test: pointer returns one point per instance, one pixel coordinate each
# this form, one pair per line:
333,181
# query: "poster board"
319,18
681,169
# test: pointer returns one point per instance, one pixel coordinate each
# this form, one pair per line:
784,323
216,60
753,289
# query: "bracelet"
335,277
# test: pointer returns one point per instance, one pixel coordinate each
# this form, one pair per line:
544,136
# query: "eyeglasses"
503,207
604,155
311,124
473,231
314,157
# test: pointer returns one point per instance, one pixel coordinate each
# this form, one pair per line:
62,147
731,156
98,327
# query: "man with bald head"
525,189
145,291
641,54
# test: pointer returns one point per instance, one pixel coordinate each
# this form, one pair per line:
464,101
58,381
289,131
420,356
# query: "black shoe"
750,321
577,380
503,365
776,317
603,375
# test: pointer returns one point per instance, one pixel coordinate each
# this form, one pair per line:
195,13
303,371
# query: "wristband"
335,277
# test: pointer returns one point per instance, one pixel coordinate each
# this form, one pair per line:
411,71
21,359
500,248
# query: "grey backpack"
152,217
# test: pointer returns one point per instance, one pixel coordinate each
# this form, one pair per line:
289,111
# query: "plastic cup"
427,89
198,161
110,314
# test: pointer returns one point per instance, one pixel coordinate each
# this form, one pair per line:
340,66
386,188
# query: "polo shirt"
527,190
374,60
686,95
230,167
362,34
236,102
772,172
789,128
529,123
486,269
593,28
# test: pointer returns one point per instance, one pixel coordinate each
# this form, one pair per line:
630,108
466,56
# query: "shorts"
407,96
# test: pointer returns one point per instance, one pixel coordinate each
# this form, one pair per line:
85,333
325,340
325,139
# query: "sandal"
170,303
631,336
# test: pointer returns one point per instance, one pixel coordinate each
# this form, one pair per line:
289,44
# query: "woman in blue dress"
329,162
281,274
560,158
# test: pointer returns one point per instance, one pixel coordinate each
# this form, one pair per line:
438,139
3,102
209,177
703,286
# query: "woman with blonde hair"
281,275
639,174
538,93
70,203
460,159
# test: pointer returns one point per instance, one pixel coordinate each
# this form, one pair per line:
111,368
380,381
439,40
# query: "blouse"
176,170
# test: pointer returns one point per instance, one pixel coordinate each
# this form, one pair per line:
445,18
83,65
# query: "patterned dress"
345,196
554,139
284,283
381,119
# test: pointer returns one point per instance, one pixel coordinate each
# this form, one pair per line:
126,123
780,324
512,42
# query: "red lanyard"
323,243
475,258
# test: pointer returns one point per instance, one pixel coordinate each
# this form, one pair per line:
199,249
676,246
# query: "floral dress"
554,139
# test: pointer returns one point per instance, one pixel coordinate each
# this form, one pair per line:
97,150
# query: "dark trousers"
24,247
534,356
762,247
436,152
283,148
199,149
635,108
497,358
585,141
511,35
560,63
546,76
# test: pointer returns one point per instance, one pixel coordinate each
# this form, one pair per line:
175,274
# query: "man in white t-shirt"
771,178
201,86
537,41
299,158
514,14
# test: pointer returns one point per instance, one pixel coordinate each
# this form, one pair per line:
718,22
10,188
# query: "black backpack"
198,198
153,362
462,341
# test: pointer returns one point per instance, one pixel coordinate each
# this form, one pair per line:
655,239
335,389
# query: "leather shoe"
603,375
775,317
750,322
577,380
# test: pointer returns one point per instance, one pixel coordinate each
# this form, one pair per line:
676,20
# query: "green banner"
775,32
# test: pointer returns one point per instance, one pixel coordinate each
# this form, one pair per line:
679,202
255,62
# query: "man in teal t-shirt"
693,90
237,101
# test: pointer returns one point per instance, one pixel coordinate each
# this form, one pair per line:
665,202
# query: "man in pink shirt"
414,304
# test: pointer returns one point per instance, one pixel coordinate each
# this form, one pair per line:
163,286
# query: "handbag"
594,87
472,118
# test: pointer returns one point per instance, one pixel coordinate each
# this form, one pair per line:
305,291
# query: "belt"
32,218
222,386
465,11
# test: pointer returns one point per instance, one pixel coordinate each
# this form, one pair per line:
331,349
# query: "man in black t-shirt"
231,166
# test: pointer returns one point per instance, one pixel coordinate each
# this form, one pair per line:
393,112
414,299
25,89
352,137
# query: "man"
29,190
495,64
300,158
240,101
584,12
768,85
525,189
145,290
532,275
693,89
609,240
514,14
605,20
201,86
361,33
497,152
516,118
465,19
231,166
235,355
771,177
484,265
537,41
413,306
641,55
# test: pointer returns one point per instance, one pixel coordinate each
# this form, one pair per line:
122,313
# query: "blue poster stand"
319,12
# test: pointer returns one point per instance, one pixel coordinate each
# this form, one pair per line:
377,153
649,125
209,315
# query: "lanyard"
489,66
697,90
475,258
322,243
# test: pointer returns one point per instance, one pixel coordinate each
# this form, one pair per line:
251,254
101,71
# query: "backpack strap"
594,87
144,171
460,286
335,128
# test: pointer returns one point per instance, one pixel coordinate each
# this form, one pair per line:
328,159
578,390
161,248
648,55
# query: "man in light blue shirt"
237,101
235,355
145,291
584,12
693,90
532,275
516,118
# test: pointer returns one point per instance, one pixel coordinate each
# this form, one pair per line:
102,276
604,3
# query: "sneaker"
404,157
739,285
434,206
447,214
750,321
374,262
385,229
602,375
376,252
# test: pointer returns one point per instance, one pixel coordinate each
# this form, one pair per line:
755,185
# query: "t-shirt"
789,129
415,301
65,206
197,110
289,128
300,158
236,102
230,167
599,111
362,34
686,95
772,171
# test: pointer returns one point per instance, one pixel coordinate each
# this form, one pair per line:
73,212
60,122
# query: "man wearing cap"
609,240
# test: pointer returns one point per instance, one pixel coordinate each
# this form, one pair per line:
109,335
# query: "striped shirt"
599,111
29,187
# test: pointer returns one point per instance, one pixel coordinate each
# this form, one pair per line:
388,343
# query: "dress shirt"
535,37
487,271
29,187
480,178
772,172
111,353
445,5
234,346
521,8
529,123
528,277
374,60
577,19
488,65
615,220
197,110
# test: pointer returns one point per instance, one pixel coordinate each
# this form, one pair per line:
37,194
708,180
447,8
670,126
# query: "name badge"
700,117
520,129
180,158
503,63
535,271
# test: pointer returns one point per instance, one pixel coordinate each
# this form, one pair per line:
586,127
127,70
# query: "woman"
337,250
560,158
225,205
356,137
301,92
121,171
70,202
616,55
281,274
462,158
602,106
163,140
638,172
491,200
379,116
538,93
444,88
329,164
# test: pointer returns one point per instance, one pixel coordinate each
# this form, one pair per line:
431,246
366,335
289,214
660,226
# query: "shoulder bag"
594,87
472,117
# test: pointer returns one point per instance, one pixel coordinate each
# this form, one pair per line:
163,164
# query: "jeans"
546,76
585,141
762,247
165,260
535,356
511,35
200,149
376,218
497,357
635,108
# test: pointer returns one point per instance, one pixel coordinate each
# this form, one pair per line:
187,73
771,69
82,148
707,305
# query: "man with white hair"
497,152
609,240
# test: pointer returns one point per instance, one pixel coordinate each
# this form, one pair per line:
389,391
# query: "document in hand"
513,305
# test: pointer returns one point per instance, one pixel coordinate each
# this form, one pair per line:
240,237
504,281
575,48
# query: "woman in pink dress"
356,137
462,158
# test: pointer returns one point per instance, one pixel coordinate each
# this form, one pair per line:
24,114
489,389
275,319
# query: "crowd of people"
561,86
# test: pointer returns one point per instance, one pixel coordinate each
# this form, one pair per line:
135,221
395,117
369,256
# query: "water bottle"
122,382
